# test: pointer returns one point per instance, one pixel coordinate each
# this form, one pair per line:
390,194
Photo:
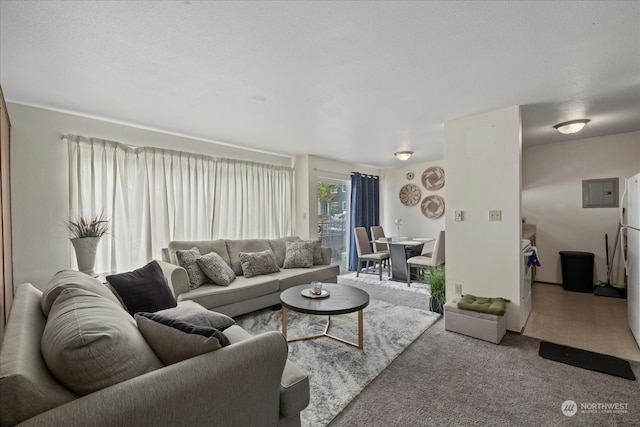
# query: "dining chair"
427,258
377,232
365,254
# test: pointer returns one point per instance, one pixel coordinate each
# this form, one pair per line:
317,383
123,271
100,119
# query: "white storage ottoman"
484,326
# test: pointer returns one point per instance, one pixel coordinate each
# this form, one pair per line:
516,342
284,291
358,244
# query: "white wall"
483,161
415,224
552,177
40,185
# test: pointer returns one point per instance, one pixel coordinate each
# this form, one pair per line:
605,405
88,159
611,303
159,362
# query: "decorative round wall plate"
432,206
410,175
410,195
433,178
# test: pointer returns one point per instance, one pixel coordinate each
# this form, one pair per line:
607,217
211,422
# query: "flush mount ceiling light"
403,155
572,126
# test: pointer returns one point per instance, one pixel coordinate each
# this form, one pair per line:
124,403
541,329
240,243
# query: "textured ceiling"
353,81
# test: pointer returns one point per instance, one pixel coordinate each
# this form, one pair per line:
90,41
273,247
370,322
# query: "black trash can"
577,271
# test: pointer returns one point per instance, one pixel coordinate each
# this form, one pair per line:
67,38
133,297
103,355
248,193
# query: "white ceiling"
353,81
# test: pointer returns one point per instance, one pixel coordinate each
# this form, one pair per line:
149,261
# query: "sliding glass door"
333,218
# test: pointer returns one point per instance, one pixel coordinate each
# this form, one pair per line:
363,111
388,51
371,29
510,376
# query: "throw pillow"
73,279
216,269
317,252
191,312
257,263
187,260
299,255
144,289
90,343
279,247
174,341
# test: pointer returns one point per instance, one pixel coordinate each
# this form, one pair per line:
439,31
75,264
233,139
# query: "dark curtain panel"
365,209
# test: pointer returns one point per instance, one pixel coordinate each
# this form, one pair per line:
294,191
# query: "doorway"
334,197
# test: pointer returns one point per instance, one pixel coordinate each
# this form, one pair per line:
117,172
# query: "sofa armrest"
238,385
326,255
176,277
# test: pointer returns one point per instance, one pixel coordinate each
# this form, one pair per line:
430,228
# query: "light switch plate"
458,215
495,215
458,289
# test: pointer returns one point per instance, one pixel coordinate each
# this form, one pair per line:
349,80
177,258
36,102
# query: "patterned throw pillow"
187,260
317,252
216,269
299,254
174,341
257,263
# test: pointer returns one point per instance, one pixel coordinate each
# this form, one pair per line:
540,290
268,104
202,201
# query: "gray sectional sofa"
249,382
244,294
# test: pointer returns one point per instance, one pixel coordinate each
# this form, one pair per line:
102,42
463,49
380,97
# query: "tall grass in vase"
85,236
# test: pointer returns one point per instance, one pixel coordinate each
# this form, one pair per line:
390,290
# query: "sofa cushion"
27,388
299,254
204,246
174,341
214,267
278,246
258,263
90,343
144,289
299,276
195,314
243,289
187,259
73,279
234,247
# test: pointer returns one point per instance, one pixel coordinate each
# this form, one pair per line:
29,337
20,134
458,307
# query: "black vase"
435,305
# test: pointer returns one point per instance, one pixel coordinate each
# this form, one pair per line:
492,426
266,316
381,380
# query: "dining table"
400,250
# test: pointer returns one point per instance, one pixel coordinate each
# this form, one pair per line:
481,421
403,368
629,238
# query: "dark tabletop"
342,299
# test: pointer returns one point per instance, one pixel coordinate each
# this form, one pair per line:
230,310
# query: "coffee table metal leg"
359,345
284,321
360,330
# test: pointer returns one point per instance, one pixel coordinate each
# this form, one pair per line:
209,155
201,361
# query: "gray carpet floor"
444,378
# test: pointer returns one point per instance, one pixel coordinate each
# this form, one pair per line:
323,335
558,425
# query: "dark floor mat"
586,359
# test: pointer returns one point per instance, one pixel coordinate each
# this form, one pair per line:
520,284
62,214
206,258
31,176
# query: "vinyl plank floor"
581,320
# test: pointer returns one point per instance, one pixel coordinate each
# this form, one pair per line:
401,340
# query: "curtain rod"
335,173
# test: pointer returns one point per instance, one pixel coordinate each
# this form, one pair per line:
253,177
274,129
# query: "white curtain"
153,196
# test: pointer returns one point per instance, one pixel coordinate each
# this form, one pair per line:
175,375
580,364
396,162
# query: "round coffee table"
342,299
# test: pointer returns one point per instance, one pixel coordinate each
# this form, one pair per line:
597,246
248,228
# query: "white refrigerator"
631,227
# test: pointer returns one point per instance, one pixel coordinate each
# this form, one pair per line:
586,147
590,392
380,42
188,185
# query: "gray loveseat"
244,294
247,383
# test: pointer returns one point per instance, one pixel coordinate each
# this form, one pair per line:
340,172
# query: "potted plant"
435,277
85,235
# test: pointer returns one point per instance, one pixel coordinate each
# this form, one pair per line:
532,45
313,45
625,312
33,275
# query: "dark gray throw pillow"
195,314
257,263
144,289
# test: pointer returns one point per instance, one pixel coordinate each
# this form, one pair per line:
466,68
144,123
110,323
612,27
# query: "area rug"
587,359
337,372
372,279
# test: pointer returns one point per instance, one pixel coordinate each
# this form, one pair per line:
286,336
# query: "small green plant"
435,277
94,226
